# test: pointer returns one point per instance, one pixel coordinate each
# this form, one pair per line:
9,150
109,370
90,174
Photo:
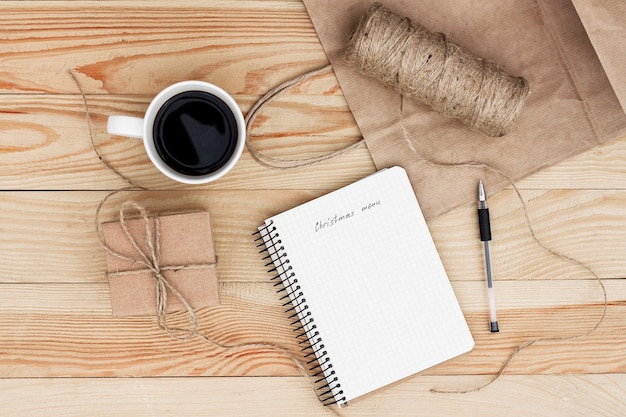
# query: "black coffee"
195,133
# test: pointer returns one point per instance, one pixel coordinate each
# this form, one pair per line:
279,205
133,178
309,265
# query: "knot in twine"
428,67
150,260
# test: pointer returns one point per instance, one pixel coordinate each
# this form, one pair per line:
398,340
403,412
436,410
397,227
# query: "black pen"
485,237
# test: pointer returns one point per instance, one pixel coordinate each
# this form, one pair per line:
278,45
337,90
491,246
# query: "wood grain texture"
47,143
58,341
66,330
42,228
533,395
128,47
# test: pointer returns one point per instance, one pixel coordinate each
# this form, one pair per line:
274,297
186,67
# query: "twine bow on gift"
150,260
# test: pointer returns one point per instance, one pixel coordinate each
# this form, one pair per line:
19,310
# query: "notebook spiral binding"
326,381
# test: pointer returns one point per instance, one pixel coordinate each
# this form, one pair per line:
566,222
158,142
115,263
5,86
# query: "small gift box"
163,263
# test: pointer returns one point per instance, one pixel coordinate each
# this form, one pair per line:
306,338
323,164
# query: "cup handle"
125,126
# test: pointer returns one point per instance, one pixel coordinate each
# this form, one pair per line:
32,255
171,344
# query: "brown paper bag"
605,23
571,107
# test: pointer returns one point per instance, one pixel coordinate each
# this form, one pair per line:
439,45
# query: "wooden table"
62,353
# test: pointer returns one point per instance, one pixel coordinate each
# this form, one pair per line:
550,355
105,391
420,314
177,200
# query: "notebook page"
374,282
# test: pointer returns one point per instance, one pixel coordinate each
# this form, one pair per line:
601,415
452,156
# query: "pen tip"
481,191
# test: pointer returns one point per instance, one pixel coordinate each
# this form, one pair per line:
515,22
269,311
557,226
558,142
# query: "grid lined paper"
373,282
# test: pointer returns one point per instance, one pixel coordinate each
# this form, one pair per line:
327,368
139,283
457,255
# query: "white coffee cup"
193,131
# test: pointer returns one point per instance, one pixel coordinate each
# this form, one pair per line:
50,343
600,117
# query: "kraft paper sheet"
605,23
571,108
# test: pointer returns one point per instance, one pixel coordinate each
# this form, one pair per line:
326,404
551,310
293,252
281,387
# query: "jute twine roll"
427,66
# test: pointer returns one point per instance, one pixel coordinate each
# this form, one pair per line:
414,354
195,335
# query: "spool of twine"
430,68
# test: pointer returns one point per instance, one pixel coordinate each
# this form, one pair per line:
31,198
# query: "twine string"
290,164
163,284
150,259
287,164
104,161
152,263
481,165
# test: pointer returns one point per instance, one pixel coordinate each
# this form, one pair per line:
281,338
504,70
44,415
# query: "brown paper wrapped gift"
186,256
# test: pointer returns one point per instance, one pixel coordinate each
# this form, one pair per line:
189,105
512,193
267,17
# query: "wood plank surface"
65,66
575,396
66,330
42,227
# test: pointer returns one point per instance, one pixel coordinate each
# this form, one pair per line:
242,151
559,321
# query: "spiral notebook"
364,282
